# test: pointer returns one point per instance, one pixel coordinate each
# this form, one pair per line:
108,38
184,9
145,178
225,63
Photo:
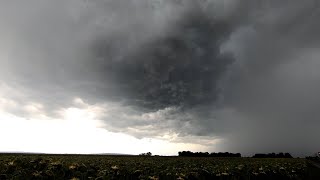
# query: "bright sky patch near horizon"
78,132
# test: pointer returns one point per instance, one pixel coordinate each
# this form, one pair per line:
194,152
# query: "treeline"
206,154
273,155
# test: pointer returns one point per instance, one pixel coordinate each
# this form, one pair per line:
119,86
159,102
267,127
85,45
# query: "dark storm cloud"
180,69
242,71
150,55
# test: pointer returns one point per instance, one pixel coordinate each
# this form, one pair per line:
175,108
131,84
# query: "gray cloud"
272,83
241,71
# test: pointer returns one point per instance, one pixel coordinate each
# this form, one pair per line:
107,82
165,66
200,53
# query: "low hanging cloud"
244,72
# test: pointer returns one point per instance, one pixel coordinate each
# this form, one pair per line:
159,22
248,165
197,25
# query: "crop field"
138,167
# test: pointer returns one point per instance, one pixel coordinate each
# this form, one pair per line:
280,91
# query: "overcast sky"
132,76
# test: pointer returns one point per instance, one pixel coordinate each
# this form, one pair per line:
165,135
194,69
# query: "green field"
138,167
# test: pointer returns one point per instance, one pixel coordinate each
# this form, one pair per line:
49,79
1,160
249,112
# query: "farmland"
99,167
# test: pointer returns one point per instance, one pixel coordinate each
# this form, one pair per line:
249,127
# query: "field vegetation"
100,167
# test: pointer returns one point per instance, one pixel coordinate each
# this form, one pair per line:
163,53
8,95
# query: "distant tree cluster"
206,154
273,155
146,154
315,158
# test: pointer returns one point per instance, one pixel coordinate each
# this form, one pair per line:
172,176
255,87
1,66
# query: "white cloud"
78,131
